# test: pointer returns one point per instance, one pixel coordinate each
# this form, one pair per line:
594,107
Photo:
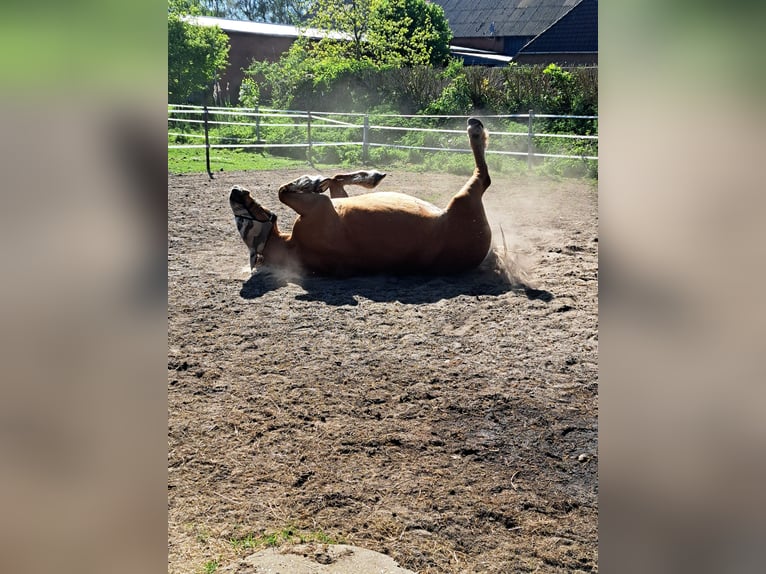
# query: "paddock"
449,422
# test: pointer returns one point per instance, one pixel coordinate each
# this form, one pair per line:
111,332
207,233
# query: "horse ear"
323,184
377,177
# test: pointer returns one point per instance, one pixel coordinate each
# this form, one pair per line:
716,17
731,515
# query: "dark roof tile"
471,18
576,31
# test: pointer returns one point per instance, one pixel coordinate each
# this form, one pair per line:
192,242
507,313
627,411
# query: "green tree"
277,11
409,32
361,38
187,7
195,54
385,32
345,24
217,8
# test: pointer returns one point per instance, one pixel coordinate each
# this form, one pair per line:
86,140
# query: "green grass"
193,161
287,535
350,157
210,566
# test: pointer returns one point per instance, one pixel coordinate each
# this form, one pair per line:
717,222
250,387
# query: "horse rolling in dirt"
378,232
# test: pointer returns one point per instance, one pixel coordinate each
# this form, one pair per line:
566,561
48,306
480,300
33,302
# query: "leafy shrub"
382,156
456,97
454,163
249,93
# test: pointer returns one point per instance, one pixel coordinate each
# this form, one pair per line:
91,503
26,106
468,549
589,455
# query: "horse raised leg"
480,181
468,236
368,179
304,194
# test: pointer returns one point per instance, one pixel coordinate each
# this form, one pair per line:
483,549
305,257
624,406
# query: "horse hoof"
475,123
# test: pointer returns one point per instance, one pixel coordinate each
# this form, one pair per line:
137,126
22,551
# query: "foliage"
345,25
276,11
364,41
249,93
275,83
185,7
384,32
299,81
559,98
469,90
455,98
409,90
517,89
408,32
195,55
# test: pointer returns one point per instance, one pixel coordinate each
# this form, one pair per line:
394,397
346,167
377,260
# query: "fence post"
366,140
308,152
530,151
207,142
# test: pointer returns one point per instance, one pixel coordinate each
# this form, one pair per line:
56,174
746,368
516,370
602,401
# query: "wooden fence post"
366,140
530,151
207,143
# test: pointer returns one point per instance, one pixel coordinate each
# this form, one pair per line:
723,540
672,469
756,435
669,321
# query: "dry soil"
448,422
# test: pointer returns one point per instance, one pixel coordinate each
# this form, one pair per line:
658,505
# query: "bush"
382,156
362,86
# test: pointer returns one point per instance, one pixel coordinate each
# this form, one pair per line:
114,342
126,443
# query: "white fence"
211,119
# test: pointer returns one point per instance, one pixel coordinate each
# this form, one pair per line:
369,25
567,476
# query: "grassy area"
193,161
511,137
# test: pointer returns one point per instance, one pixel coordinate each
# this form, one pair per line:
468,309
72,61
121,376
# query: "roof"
259,28
476,18
576,31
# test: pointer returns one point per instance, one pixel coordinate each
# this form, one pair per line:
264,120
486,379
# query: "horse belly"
393,240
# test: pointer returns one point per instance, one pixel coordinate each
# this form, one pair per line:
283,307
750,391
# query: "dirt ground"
448,422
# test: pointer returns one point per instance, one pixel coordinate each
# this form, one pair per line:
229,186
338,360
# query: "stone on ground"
316,559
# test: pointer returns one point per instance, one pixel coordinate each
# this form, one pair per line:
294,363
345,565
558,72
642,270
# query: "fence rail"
180,116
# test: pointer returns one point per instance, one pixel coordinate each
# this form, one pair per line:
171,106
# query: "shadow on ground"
414,289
